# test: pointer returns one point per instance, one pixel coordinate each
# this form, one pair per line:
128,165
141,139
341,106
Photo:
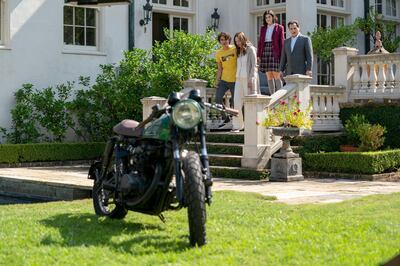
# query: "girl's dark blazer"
277,41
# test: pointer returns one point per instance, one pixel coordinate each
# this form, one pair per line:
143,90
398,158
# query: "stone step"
225,137
239,173
221,148
225,160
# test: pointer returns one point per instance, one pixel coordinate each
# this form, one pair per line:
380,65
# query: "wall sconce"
147,9
215,19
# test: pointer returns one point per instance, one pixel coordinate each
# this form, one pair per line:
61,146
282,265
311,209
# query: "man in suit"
297,53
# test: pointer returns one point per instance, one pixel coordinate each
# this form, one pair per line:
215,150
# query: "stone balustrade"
325,102
375,77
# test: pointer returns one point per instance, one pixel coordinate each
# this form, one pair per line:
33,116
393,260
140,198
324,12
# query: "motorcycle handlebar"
222,108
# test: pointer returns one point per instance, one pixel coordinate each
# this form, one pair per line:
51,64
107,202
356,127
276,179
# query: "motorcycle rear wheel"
195,199
103,207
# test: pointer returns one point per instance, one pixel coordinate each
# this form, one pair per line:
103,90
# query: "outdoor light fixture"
147,9
215,19
97,2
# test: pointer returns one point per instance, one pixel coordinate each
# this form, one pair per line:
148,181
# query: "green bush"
386,115
318,143
37,111
18,153
353,162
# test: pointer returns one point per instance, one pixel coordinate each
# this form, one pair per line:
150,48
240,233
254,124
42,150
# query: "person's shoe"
235,131
225,126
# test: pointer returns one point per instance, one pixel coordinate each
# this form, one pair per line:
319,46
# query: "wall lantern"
147,9
97,2
215,19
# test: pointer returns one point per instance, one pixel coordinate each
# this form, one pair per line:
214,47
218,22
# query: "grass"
242,228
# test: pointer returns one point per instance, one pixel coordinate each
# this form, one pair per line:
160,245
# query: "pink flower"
295,97
298,110
257,123
282,102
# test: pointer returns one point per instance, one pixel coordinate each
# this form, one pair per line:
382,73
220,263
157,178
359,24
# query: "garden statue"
378,47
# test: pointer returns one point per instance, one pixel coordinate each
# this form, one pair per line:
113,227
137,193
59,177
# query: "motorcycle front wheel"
195,199
104,202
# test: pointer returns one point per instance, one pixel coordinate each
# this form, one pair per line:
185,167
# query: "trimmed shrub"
18,153
353,162
323,143
386,115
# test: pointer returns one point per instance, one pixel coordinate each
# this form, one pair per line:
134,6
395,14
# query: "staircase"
225,151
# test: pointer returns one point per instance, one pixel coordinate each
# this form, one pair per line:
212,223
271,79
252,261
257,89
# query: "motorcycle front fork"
204,162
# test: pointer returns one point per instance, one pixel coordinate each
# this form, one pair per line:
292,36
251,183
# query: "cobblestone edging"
392,177
47,163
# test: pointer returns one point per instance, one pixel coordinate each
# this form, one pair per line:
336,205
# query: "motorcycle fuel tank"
159,129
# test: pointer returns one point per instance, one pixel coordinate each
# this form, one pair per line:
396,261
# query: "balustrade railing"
325,107
375,77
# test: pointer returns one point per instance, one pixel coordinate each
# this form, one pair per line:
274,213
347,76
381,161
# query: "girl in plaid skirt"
269,50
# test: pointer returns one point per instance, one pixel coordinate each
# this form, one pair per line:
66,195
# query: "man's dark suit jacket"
300,60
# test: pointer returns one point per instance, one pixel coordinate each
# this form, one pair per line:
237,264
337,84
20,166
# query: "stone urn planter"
286,165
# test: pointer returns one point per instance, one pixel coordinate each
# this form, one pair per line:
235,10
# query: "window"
321,21
80,26
339,3
183,3
321,2
337,22
262,2
179,23
161,2
391,8
325,72
378,6
267,2
325,20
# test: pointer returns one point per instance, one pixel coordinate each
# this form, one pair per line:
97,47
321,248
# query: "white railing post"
256,149
149,102
342,67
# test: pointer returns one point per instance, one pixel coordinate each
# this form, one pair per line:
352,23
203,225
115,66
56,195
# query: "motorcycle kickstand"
162,218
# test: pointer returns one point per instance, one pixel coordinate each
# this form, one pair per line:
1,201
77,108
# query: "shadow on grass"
90,230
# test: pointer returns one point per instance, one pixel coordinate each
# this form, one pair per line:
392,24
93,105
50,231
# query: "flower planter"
287,134
348,148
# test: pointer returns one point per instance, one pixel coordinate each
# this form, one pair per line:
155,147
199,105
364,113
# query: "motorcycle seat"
128,128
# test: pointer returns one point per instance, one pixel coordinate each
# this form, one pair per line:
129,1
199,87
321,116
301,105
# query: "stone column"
149,102
256,152
196,84
342,67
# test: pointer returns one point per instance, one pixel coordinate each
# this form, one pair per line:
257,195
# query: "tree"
374,22
324,40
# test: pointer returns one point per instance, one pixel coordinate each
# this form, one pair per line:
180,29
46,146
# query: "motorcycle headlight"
186,114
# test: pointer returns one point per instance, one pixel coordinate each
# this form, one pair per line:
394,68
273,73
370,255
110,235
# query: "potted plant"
288,120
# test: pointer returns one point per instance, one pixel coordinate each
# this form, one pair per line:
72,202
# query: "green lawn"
243,229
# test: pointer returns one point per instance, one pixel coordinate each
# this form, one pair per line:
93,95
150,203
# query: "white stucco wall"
35,53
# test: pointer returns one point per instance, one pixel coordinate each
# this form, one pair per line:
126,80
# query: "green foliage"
181,57
374,22
371,137
115,96
386,115
324,40
353,162
323,143
18,153
23,126
40,110
352,127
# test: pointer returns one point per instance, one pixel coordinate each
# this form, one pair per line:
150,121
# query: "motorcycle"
151,169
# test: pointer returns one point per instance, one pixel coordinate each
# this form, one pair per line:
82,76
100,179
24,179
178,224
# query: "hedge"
318,143
387,115
18,153
353,162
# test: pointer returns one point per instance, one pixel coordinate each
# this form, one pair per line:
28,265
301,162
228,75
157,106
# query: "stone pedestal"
286,165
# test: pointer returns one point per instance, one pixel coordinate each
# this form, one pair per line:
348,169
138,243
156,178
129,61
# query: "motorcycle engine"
135,179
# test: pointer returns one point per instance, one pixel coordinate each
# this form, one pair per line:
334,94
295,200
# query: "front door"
160,21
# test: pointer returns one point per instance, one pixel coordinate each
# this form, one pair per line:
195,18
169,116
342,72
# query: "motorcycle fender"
94,170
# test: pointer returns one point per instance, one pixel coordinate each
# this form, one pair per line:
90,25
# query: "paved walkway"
308,191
